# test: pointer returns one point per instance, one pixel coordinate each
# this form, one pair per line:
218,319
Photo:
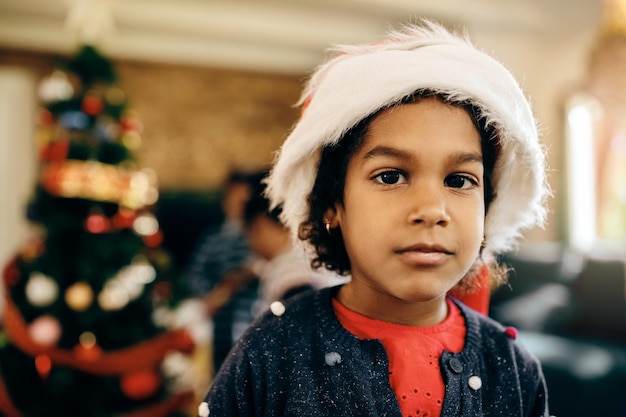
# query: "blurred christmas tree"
84,331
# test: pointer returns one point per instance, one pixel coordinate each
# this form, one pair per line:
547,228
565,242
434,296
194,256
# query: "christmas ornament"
146,224
141,271
92,105
131,284
189,314
79,296
97,223
154,240
162,292
43,137
55,151
41,290
74,120
43,364
56,87
140,384
132,140
113,296
127,285
124,218
179,369
162,316
107,129
44,117
87,350
130,123
45,330
32,249
115,96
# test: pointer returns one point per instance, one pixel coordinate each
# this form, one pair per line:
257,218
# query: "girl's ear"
330,216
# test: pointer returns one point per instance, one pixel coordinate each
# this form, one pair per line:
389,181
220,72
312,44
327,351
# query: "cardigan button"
511,332
277,308
203,409
475,382
332,358
455,365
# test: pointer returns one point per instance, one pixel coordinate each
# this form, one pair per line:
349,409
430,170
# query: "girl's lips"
425,247
425,255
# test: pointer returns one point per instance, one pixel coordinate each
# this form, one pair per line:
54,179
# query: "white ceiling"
287,36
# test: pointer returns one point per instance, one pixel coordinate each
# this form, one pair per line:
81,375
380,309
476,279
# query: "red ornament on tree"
45,330
43,364
44,117
32,249
140,384
92,105
153,240
124,219
97,223
55,151
131,123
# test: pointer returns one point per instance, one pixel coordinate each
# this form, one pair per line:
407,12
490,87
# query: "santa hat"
363,79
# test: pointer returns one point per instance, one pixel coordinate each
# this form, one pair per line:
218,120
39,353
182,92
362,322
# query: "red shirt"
414,353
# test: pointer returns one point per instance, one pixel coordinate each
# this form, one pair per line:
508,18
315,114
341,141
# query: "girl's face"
413,212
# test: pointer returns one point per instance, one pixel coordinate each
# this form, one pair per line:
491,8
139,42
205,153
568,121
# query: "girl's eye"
460,181
390,177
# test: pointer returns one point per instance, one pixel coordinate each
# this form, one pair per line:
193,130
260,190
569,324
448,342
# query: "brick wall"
198,122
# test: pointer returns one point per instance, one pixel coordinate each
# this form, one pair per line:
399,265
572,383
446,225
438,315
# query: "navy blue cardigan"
303,362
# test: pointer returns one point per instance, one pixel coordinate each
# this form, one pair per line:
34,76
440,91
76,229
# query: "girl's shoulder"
301,313
490,336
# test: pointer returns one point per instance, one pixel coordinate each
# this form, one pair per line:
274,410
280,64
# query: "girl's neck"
374,305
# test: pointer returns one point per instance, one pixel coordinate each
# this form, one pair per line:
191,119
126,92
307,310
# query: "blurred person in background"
286,271
221,267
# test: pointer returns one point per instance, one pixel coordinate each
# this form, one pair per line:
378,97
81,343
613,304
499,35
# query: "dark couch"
570,309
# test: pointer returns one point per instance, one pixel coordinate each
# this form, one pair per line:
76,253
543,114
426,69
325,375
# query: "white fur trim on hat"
364,79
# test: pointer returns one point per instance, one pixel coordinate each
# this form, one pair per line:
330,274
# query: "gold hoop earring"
483,244
327,224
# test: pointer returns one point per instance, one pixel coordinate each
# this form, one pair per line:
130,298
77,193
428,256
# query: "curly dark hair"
328,188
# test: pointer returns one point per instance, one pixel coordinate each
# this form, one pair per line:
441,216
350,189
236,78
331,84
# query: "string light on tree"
87,349
41,290
45,330
79,296
97,222
127,285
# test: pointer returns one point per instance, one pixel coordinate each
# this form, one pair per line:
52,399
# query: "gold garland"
94,180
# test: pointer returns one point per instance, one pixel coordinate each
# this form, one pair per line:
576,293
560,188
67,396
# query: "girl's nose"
428,206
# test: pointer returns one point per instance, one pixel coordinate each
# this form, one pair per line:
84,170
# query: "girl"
413,159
